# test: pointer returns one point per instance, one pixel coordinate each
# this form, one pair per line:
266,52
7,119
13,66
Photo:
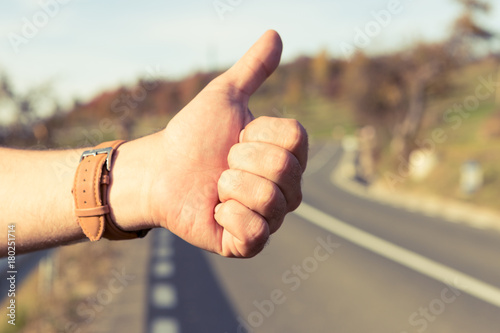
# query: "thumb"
257,64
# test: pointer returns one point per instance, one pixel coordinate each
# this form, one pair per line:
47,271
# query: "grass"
73,285
465,140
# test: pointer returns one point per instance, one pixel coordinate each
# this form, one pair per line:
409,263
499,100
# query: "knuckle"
234,180
265,134
258,234
272,201
245,151
266,195
279,161
295,172
257,130
240,150
296,134
295,201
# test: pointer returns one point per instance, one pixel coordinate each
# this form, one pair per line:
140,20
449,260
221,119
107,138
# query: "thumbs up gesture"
215,176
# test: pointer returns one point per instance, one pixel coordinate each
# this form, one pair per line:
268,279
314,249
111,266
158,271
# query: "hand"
218,187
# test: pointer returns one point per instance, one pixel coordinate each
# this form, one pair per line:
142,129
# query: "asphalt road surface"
339,264
24,264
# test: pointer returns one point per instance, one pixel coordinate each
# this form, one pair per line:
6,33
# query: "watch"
90,192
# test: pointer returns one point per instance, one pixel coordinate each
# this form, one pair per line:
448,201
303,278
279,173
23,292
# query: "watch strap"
90,192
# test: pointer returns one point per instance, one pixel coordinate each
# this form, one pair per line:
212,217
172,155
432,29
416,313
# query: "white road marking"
164,295
164,252
407,258
164,269
165,325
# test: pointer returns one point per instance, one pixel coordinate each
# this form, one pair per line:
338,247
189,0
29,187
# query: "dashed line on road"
165,325
400,255
164,269
163,295
164,252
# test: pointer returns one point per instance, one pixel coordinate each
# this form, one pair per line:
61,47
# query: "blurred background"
400,227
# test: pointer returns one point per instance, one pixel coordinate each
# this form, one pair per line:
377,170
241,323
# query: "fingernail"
241,135
217,208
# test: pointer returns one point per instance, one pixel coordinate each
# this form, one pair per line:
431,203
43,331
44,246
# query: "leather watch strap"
90,192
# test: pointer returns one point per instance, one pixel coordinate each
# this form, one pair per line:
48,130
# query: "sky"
82,47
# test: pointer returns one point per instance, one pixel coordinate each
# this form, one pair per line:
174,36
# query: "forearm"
35,194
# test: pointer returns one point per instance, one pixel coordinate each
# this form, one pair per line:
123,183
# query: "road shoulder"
446,209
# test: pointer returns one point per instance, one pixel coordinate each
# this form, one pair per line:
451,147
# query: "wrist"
131,179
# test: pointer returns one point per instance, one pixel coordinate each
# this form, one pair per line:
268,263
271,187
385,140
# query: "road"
24,265
410,273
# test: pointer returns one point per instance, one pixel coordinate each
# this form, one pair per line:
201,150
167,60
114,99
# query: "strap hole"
85,202
84,191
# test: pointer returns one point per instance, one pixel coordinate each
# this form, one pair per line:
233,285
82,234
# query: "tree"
30,111
392,91
320,67
373,87
428,63
466,26
424,65
467,31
